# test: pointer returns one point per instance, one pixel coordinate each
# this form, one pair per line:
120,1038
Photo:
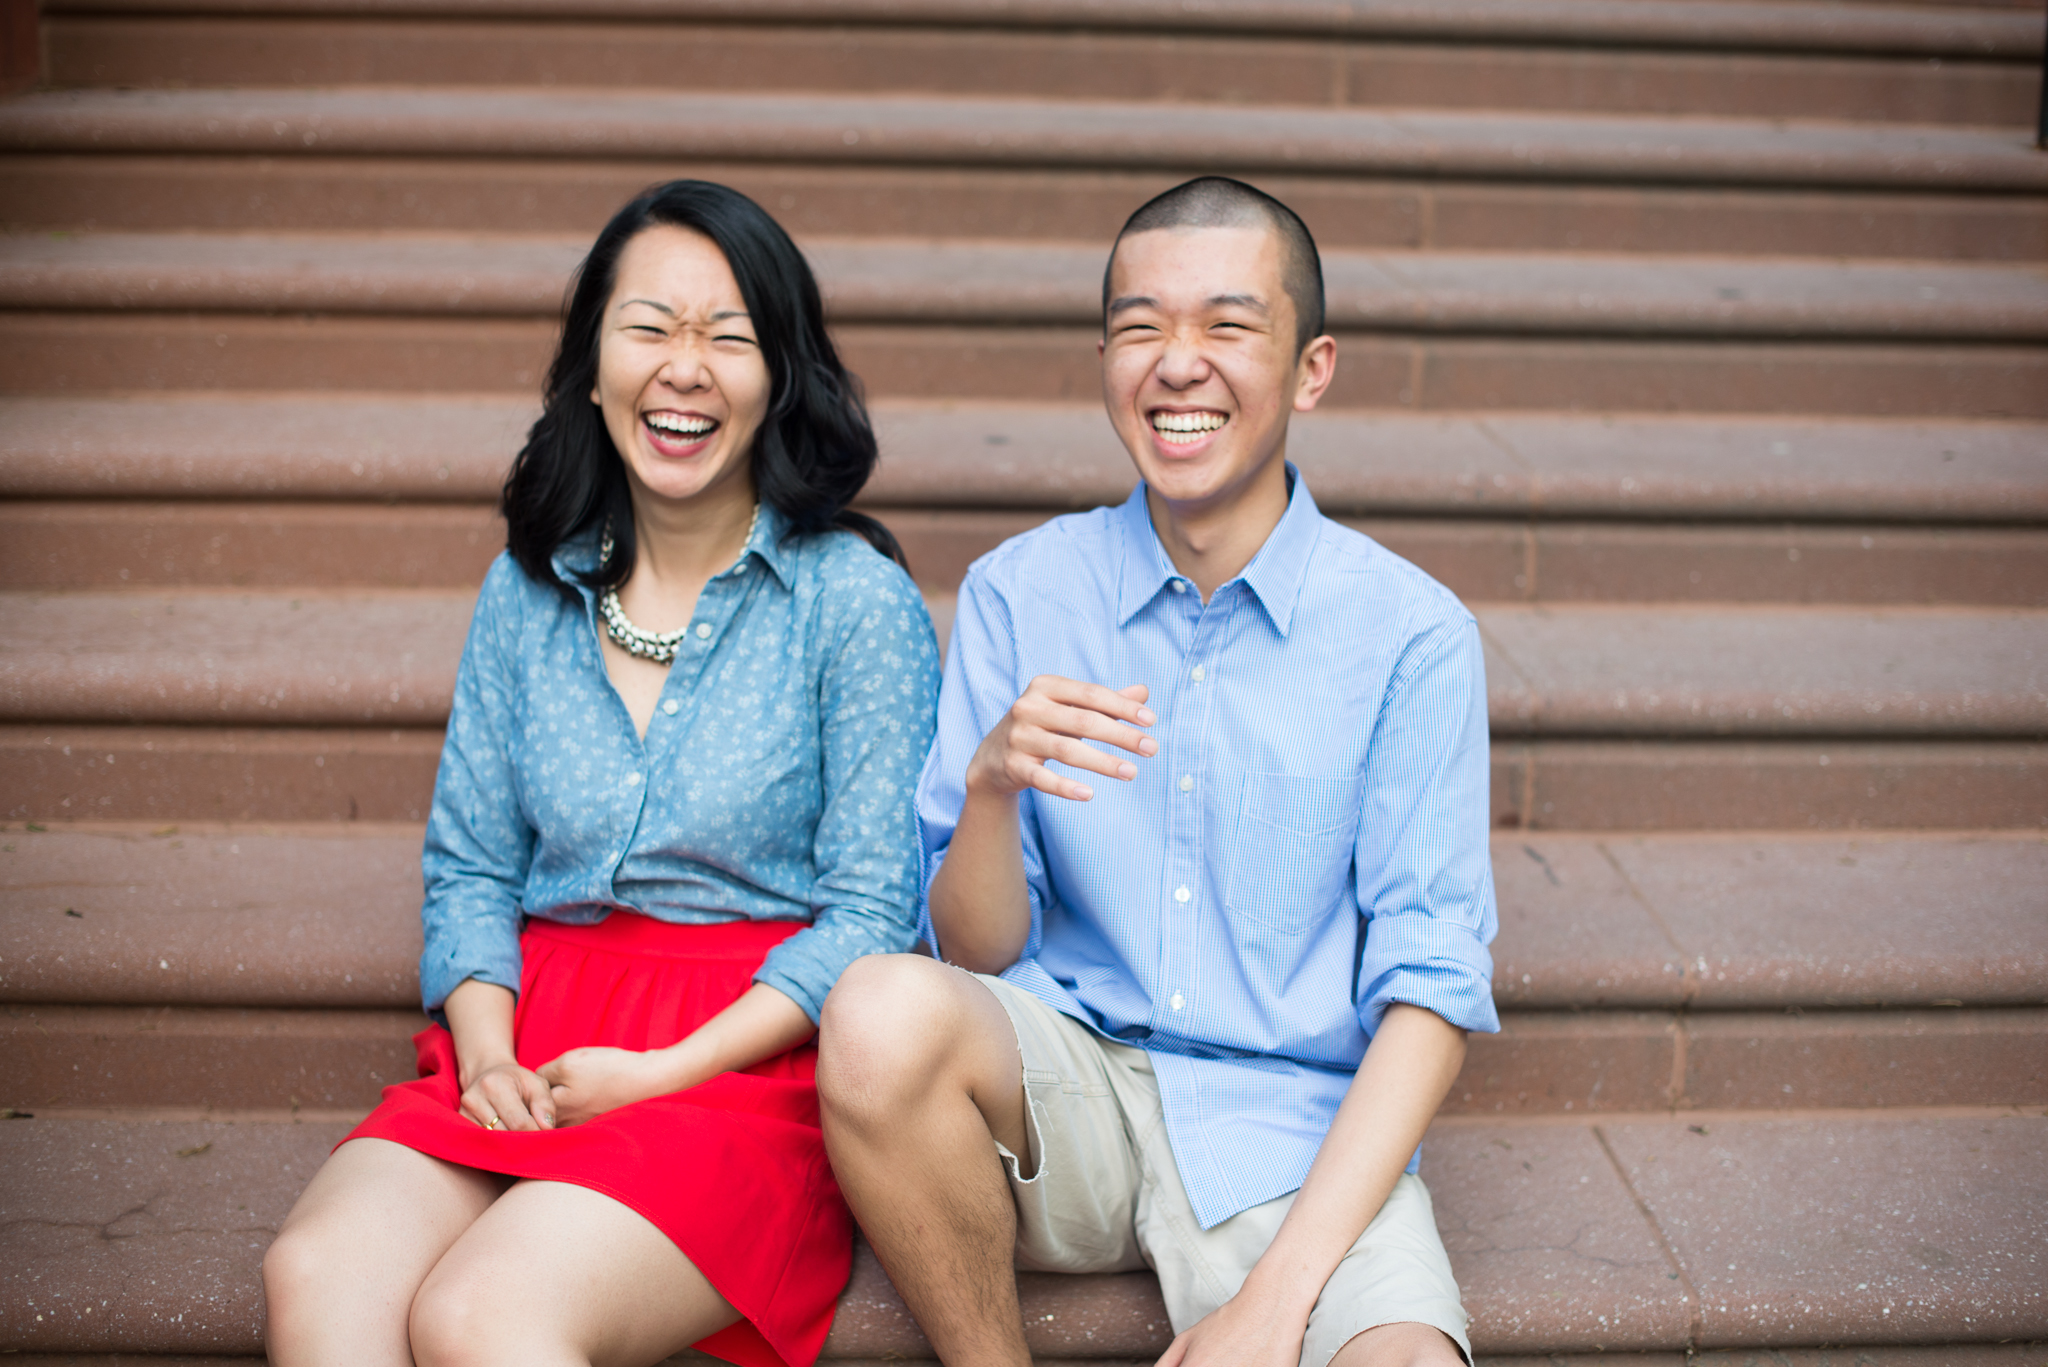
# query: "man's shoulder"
1055,551
1362,577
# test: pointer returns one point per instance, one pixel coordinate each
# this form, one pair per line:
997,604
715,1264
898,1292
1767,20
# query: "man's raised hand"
1050,722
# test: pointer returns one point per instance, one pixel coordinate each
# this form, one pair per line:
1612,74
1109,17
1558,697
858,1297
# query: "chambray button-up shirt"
1308,846
775,782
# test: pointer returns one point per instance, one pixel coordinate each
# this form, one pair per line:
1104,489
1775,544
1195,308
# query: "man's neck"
1210,543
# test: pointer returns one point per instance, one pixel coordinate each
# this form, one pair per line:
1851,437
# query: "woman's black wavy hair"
815,448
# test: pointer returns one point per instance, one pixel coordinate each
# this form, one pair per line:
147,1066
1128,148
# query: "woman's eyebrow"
661,308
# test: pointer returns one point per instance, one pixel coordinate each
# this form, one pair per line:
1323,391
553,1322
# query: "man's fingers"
1110,702
1076,755
1046,781
1078,721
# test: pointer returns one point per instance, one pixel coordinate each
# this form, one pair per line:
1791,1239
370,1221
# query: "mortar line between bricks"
1695,1324
1681,1041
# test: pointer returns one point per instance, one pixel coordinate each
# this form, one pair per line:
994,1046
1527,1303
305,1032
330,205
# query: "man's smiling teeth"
680,425
1182,429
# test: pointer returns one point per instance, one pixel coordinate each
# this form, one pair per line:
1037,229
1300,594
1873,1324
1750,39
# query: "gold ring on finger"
495,1124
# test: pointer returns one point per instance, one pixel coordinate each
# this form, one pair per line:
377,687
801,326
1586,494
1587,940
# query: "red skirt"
733,1170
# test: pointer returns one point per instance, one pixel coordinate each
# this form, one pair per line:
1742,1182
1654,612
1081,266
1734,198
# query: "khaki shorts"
1104,1195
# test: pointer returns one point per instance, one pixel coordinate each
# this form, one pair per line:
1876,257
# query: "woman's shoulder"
849,577
511,600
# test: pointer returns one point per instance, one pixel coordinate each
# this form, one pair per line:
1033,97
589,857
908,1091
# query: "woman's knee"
295,1268
457,1323
886,1027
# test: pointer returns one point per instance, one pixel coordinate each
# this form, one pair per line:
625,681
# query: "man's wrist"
1290,1296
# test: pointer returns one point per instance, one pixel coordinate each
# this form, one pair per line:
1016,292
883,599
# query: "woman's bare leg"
559,1274
341,1276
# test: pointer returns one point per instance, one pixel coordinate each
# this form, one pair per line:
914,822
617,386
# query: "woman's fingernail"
1145,717
1083,791
1148,746
1126,771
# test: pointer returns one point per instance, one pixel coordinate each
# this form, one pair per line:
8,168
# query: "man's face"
1199,369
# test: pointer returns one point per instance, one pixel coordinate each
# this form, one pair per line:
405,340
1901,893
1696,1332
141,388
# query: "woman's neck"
684,546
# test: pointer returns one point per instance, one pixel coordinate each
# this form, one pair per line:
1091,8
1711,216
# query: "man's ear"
1314,371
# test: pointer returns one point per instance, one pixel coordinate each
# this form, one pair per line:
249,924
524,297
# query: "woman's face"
680,375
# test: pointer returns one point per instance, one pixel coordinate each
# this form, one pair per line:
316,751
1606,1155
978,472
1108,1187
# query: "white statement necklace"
659,647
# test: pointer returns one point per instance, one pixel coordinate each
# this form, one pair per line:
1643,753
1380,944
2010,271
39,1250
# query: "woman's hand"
588,1082
505,1096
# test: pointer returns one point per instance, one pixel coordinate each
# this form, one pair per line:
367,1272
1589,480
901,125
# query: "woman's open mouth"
678,434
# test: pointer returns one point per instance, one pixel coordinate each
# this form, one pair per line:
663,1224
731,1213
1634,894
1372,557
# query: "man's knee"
887,1031
1406,1344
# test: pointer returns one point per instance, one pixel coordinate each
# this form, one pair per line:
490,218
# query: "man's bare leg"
918,1076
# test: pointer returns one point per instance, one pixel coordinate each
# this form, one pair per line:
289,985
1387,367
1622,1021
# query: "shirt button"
1181,894
1196,674
671,706
632,779
1178,586
1187,782
703,631
1177,1001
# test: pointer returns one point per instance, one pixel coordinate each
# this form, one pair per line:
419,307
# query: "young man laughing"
1205,821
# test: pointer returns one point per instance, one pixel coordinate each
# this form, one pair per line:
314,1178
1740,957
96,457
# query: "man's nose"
1182,363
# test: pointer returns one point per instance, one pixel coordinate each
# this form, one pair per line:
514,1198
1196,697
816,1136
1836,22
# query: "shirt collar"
578,555
1274,575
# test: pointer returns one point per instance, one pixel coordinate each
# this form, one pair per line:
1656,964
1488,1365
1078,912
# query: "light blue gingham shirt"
775,782
1308,846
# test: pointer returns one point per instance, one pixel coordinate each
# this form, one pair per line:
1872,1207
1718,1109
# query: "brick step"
155,773
324,657
395,448
1932,28
323,917
1637,1233
70,354
106,544
868,130
987,283
1957,86
1944,1355
1371,209
1595,1062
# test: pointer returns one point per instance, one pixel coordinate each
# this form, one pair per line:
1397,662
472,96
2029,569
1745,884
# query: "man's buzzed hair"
1220,202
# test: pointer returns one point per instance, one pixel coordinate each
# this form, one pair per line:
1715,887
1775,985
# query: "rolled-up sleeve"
980,686
876,697
1424,869
478,844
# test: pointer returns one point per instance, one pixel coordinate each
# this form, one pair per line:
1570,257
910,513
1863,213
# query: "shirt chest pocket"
1290,856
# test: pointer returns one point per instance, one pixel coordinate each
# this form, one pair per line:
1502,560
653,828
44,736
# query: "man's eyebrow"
1244,301
1132,301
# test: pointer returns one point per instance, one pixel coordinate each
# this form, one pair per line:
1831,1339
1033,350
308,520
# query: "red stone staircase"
1698,344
